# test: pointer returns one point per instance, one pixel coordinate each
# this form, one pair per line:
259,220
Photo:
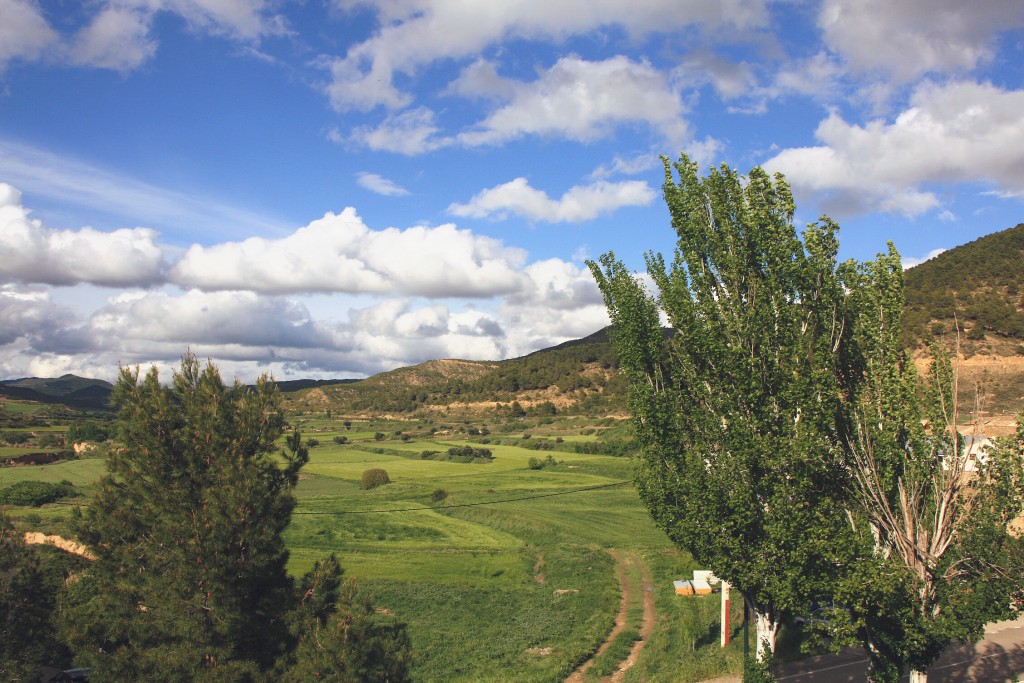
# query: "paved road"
998,658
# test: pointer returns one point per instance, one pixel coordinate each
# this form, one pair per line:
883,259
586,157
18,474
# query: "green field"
500,571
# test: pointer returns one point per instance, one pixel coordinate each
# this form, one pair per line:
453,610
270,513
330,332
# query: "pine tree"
190,580
27,605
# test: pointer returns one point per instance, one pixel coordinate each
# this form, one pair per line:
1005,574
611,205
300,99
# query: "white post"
725,613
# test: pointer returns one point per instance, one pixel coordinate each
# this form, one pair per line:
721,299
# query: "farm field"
501,570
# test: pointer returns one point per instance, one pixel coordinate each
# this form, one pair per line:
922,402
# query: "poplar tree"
737,409
937,560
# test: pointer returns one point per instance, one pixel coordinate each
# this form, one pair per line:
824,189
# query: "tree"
939,561
190,580
27,604
736,411
339,639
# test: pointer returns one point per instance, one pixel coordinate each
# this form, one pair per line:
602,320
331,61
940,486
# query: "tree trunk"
918,677
765,629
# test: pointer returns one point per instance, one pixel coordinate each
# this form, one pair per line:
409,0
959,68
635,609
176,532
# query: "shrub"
438,495
312,443
374,477
341,440
535,463
35,493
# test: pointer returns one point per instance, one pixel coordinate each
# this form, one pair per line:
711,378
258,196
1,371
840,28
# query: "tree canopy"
736,411
788,441
190,580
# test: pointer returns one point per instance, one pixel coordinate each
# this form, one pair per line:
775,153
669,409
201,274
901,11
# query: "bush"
341,440
35,493
374,477
438,495
312,443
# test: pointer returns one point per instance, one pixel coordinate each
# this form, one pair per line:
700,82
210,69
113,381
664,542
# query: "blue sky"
333,188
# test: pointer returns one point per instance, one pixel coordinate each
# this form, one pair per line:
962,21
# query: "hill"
978,289
578,376
69,390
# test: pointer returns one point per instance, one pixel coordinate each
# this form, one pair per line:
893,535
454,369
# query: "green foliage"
538,464
340,638
374,477
438,495
190,579
27,603
935,561
35,493
736,412
88,431
978,282
341,440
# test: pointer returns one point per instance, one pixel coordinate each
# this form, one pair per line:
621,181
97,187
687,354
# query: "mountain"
970,300
69,390
576,376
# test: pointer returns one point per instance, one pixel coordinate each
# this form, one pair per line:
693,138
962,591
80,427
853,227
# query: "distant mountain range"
69,390
977,288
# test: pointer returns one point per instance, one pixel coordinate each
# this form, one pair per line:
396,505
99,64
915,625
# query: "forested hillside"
977,284
578,376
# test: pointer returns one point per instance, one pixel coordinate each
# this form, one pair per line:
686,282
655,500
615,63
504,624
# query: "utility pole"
725,613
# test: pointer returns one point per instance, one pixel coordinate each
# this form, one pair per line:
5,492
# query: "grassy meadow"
501,570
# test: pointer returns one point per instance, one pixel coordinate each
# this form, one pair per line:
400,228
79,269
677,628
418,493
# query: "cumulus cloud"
956,132
419,32
339,253
205,319
914,37
410,132
561,301
580,203
33,253
117,38
24,32
27,313
118,34
380,185
583,100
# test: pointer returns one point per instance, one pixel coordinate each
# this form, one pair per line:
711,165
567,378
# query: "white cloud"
560,302
418,32
117,38
32,253
582,100
27,312
910,262
960,132
118,34
410,132
579,203
339,253
380,185
620,165
24,32
912,37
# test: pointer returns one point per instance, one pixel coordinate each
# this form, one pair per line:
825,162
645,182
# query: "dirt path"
623,561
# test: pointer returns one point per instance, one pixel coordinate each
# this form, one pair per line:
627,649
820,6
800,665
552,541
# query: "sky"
335,188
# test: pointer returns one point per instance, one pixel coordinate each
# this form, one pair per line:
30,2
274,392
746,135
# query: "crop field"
500,570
